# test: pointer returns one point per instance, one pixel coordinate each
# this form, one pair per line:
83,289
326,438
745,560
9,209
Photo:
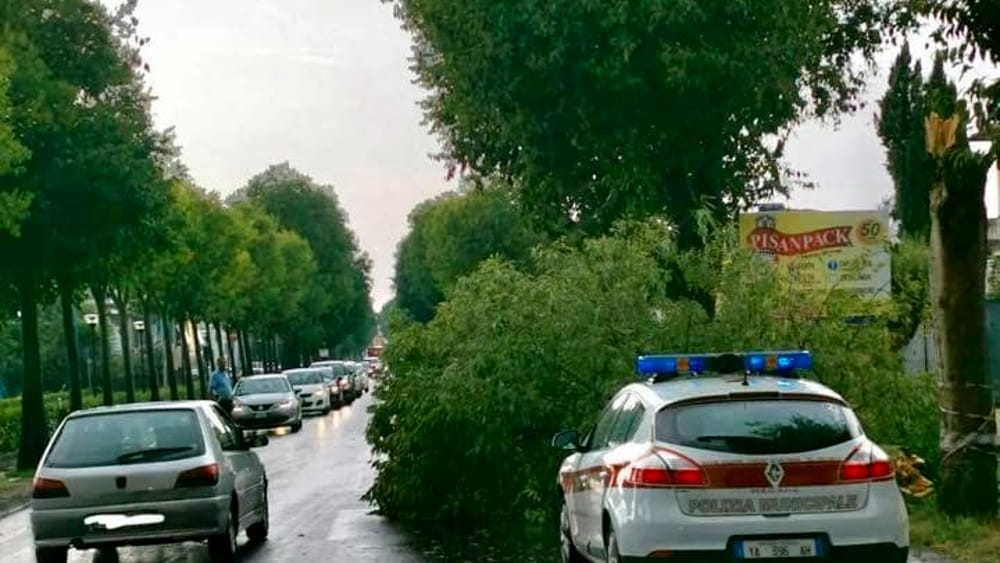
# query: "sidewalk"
15,491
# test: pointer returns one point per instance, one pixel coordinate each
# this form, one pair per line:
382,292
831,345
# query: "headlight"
319,393
237,404
285,404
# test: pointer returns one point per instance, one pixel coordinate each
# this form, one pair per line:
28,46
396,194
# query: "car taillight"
48,488
867,462
204,476
663,468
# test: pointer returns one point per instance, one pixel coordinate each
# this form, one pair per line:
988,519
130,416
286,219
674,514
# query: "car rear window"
127,437
252,385
774,426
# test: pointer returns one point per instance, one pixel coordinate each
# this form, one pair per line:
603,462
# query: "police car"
748,463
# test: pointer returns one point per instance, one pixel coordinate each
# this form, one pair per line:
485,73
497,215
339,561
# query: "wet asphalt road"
317,478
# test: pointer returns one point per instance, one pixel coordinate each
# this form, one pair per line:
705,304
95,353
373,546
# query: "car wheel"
296,426
258,531
222,547
51,554
326,408
567,551
613,555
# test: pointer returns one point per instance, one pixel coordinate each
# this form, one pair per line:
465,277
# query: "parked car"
266,401
739,466
361,376
148,473
311,388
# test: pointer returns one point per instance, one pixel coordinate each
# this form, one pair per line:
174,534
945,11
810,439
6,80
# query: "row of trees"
596,111
94,199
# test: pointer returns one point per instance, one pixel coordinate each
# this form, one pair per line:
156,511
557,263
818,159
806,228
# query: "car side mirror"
567,440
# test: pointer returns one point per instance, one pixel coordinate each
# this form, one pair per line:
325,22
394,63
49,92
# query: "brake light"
663,469
867,462
48,488
204,476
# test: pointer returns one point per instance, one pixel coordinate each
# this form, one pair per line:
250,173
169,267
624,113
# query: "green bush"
462,427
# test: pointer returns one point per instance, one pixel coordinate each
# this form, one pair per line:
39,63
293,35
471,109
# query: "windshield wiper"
151,453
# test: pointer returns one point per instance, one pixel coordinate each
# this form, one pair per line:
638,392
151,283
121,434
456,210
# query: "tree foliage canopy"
607,109
449,236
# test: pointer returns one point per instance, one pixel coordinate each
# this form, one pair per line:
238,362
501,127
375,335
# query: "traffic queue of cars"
172,471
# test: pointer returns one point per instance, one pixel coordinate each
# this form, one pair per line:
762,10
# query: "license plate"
778,549
259,414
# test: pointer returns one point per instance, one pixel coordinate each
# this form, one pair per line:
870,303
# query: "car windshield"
757,426
305,377
254,386
127,437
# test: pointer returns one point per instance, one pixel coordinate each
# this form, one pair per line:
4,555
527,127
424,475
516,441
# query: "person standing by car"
221,387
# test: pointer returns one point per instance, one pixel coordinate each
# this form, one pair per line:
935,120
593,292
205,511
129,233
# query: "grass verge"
962,539
15,486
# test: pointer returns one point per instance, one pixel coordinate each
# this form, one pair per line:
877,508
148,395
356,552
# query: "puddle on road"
534,547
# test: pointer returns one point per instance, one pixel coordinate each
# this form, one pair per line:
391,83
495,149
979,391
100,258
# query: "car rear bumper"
881,553
189,519
882,524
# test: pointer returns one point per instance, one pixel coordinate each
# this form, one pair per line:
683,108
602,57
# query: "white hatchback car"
731,467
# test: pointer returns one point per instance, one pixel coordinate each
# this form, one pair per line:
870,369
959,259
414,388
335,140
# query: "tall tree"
14,203
606,109
449,236
901,127
79,106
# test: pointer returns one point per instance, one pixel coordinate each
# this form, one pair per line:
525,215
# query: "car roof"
145,406
310,369
265,376
684,389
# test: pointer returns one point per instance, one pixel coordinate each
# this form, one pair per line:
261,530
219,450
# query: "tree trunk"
232,357
209,349
34,431
152,380
968,477
202,372
168,347
186,361
100,298
247,356
123,332
218,338
72,346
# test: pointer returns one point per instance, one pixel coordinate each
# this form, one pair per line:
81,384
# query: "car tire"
613,555
296,426
567,551
222,547
51,554
327,409
259,530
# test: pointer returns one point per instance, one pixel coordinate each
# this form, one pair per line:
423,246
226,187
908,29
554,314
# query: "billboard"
824,250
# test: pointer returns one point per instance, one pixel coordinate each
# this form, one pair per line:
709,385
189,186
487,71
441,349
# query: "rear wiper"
724,438
151,452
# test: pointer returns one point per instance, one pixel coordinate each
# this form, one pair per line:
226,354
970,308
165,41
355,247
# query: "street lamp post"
140,328
91,319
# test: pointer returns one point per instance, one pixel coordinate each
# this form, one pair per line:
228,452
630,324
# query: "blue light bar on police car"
778,362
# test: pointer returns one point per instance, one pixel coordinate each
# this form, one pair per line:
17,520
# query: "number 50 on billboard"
824,250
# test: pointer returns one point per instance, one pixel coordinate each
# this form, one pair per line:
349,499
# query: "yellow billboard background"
824,250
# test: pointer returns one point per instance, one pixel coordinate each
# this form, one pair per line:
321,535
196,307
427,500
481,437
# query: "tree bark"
121,301
968,477
209,349
218,337
202,372
100,298
186,361
34,431
152,380
72,346
246,354
168,347
232,357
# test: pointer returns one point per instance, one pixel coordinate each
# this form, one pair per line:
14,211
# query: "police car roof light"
772,363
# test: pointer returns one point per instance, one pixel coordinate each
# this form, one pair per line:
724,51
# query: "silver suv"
148,473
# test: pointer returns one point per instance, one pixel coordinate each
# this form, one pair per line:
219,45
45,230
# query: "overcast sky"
326,86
